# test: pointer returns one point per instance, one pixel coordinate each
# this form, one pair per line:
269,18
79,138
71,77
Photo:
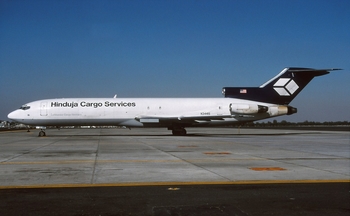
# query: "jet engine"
247,109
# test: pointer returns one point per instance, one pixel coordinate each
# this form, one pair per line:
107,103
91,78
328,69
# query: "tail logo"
285,87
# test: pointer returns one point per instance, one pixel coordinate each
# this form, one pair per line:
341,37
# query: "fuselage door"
43,108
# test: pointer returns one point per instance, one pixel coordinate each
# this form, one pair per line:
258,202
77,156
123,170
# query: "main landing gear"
42,133
179,131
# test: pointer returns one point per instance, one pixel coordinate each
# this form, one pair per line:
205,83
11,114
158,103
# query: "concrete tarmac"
131,164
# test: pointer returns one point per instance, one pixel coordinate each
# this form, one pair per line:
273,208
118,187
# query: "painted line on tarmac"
127,161
143,184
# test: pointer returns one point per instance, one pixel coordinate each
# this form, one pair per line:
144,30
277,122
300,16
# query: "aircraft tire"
42,133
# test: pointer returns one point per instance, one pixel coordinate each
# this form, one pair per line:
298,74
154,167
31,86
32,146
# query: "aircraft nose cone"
12,115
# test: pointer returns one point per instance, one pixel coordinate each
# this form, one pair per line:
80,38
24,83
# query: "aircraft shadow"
188,135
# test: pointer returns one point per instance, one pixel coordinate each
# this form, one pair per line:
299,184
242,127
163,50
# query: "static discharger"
267,168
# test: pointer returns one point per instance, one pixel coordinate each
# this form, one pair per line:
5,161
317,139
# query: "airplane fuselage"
143,112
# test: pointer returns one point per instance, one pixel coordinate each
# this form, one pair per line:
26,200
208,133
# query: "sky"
182,48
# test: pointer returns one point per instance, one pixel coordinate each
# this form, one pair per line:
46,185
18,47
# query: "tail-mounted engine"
255,109
282,110
247,109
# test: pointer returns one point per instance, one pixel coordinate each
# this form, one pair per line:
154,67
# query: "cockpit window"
25,107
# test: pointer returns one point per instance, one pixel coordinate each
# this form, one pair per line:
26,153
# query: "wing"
181,120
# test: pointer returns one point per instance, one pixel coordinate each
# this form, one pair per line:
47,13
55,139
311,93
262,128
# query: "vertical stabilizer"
281,89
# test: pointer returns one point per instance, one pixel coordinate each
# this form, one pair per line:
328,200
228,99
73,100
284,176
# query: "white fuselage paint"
142,112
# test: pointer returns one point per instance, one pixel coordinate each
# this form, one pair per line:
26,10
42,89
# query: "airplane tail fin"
281,89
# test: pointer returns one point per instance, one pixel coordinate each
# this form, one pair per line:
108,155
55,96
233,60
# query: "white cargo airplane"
240,105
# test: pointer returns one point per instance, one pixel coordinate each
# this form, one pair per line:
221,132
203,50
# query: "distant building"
4,124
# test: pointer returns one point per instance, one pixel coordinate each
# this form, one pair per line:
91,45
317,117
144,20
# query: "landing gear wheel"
42,133
179,132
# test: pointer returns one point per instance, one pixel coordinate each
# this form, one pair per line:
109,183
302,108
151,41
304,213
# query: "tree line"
285,123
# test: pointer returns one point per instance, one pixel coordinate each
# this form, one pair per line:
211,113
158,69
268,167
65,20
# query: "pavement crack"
27,152
185,160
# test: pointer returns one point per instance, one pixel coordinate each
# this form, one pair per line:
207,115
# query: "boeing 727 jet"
239,105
